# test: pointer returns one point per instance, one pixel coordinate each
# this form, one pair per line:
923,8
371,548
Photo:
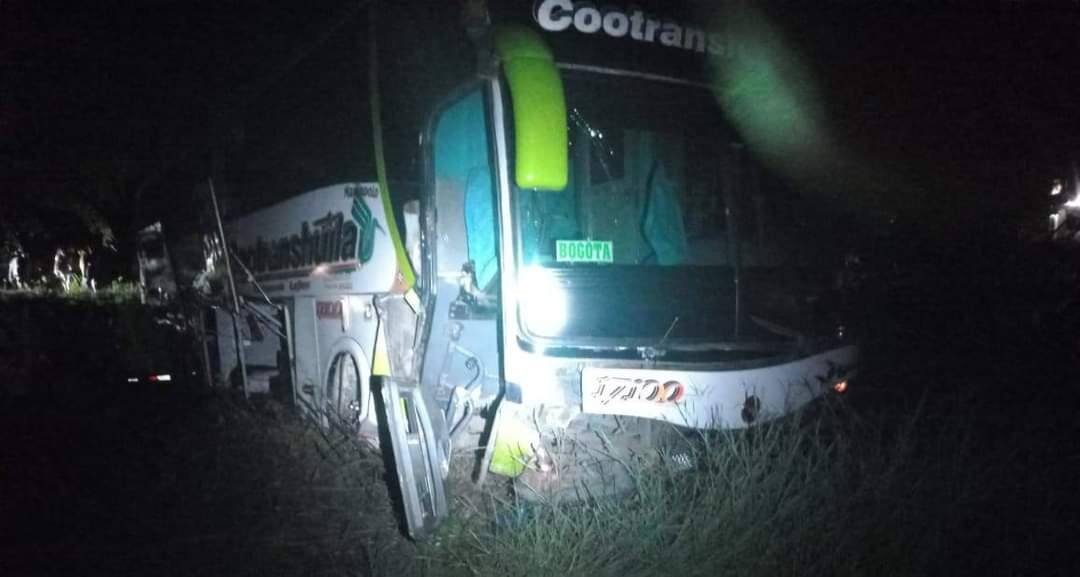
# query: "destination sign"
597,251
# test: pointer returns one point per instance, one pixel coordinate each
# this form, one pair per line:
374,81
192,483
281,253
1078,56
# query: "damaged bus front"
605,259
660,281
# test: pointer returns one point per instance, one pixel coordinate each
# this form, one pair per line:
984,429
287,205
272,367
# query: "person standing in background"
13,269
60,268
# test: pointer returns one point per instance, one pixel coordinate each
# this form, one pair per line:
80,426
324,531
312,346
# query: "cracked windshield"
664,207
657,180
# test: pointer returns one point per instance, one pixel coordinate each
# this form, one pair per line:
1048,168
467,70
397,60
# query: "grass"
254,488
828,493
118,292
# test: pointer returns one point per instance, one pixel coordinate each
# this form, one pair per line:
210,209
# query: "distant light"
133,379
1056,190
840,387
161,378
320,270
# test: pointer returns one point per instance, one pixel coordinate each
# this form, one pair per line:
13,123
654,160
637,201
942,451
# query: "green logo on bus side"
583,251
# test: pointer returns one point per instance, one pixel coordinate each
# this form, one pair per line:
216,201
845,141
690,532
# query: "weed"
828,494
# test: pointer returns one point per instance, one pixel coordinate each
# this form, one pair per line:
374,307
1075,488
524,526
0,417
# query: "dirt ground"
171,480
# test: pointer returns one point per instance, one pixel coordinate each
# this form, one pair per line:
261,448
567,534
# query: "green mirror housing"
541,148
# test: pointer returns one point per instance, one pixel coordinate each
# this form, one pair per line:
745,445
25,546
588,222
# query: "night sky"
977,106
965,114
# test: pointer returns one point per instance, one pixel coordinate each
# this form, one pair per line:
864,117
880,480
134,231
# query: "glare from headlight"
543,302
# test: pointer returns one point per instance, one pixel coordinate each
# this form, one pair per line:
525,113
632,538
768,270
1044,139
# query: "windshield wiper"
651,353
734,250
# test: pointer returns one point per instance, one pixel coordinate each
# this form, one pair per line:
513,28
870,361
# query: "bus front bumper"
717,399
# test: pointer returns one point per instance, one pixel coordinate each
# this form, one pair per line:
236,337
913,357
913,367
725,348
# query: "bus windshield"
664,207
656,178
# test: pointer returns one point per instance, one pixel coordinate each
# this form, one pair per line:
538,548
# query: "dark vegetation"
102,476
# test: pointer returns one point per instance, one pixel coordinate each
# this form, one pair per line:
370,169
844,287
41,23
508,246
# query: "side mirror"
541,144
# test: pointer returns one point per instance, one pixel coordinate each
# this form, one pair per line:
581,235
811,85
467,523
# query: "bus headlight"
543,302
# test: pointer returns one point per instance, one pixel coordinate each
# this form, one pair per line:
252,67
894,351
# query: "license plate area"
632,391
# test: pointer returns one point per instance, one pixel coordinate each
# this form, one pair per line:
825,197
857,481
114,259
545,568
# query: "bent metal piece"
418,457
